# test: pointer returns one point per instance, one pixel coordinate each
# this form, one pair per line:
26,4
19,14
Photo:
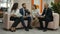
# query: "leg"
41,22
22,21
46,25
16,22
29,22
12,18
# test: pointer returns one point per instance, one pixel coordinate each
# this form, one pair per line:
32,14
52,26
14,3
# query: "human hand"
41,16
24,16
13,15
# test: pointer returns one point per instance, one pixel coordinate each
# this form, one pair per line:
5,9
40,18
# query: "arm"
50,12
43,12
18,14
21,11
27,11
12,14
28,14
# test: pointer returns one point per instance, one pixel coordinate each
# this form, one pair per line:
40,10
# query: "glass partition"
5,4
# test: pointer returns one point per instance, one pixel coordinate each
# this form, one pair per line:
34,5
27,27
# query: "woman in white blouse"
35,13
16,17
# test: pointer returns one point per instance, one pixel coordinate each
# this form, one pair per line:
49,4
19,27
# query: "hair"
15,6
35,6
1,10
23,4
46,4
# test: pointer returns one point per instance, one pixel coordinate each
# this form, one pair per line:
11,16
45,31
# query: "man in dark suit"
26,14
46,16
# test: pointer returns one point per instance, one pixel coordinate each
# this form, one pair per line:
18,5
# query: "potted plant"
56,8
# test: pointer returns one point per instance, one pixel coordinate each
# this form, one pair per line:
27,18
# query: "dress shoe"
26,29
44,30
40,28
30,27
13,31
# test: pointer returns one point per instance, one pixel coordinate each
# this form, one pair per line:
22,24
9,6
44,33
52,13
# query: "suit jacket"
26,11
48,14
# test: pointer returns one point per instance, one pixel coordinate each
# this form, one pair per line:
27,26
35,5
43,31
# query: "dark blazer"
26,11
48,14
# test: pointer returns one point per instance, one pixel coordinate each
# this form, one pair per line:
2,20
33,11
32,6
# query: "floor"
32,31
1,19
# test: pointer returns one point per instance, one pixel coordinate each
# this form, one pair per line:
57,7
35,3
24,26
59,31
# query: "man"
46,16
26,14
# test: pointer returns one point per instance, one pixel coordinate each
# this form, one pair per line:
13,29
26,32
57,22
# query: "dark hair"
23,4
35,6
15,6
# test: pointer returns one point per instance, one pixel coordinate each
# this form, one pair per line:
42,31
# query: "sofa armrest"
56,20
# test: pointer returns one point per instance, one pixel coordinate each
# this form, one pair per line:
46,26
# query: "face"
33,7
24,6
45,6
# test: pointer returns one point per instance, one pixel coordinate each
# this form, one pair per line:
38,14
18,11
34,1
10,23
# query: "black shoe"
30,27
26,29
13,31
40,28
44,30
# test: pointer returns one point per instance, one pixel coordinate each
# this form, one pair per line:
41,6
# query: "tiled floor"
33,31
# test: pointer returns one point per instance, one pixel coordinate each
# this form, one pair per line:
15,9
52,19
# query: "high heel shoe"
13,30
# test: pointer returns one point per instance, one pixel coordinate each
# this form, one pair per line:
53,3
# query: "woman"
35,13
16,17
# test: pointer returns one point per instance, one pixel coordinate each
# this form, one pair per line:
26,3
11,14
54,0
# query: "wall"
39,3
56,1
28,2
48,1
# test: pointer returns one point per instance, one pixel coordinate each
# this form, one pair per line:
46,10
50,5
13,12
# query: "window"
4,3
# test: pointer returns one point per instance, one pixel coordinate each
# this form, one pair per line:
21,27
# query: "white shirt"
35,13
24,13
16,13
